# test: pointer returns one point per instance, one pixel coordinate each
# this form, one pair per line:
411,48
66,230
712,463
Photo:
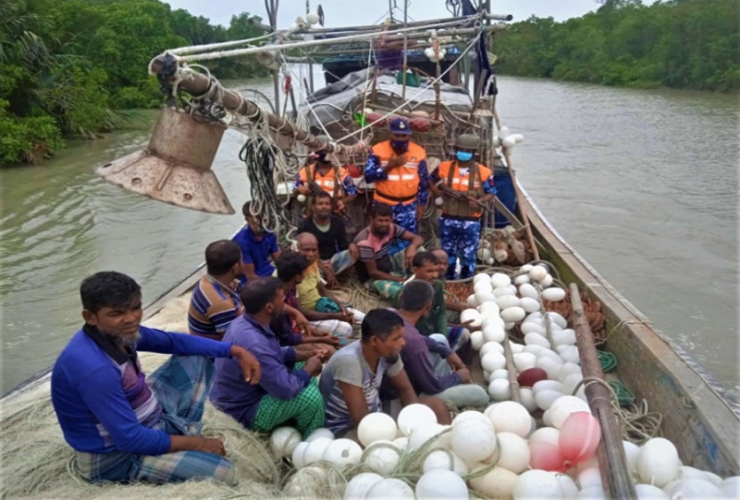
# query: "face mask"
400,146
464,155
321,157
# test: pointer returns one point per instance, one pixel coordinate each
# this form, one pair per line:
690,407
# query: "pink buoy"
546,456
579,437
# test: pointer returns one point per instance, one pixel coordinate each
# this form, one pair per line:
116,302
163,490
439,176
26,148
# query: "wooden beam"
615,475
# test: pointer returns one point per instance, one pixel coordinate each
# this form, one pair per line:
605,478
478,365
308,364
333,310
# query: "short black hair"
380,323
245,209
258,292
381,210
108,289
289,265
421,257
415,295
221,256
318,195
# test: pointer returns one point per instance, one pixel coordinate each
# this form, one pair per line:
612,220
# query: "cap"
467,141
399,125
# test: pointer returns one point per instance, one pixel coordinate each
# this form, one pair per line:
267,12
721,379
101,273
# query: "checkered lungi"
306,409
181,386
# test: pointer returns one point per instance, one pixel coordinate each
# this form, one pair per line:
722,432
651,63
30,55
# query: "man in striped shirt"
215,302
379,267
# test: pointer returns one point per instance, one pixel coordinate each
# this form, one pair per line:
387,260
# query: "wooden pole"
612,460
522,210
511,369
446,21
405,47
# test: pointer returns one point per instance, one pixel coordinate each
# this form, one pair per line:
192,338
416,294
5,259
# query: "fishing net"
36,462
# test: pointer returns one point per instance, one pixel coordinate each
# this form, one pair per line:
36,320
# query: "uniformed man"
460,225
398,167
324,174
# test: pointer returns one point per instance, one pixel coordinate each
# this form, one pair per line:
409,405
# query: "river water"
642,183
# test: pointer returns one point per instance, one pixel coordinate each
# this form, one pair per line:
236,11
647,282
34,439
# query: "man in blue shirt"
286,390
257,246
123,427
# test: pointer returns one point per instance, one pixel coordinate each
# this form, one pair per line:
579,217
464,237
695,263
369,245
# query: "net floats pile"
498,453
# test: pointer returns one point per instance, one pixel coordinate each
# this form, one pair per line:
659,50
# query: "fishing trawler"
667,393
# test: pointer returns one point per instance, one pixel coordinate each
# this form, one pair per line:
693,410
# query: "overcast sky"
358,12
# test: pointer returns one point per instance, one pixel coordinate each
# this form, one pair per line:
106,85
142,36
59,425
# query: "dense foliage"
67,67
692,44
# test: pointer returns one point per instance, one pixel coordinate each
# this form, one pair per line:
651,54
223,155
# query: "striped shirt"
213,307
374,248
348,365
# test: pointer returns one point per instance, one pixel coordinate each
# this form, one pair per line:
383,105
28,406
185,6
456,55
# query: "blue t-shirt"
103,406
256,251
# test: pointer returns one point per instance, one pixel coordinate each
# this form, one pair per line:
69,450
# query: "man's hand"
346,316
210,445
464,375
340,206
354,252
419,212
248,363
409,257
331,278
303,189
303,324
455,362
473,204
314,366
395,162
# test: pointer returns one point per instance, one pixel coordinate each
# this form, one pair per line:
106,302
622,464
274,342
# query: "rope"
607,360
638,424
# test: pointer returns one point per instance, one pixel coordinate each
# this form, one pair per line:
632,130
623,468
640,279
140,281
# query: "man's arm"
276,379
433,180
356,402
403,387
376,274
423,183
342,243
248,270
488,189
153,340
419,369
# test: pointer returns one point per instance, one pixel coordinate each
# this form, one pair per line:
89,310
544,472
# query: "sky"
360,12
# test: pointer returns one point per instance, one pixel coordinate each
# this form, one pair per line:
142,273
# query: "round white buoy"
359,485
376,427
499,280
537,484
537,273
476,340
320,433
315,450
658,462
510,416
549,435
441,484
312,18
491,346
445,460
430,432
301,198
342,452
390,488
553,294
473,440
493,361
496,483
283,441
297,456
307,483
499,390
413,416
382,457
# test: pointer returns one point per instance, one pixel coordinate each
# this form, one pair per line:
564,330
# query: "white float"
342,452
473,440
499,390
509,416
376,427
413,416
283,441
382,457
496,483
537,484
514,452
390,488
359,485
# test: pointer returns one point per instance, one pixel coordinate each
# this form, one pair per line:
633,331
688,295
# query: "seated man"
432,367
324,177
122,426
335,253
291,267
431,267
312,294
351,380
257,246
215,302
285,391
382,271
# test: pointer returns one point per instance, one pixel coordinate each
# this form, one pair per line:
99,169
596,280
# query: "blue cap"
399,125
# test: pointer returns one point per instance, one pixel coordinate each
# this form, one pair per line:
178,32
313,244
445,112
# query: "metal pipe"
444,20
405,46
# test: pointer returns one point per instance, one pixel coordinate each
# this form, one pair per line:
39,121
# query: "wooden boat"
698,416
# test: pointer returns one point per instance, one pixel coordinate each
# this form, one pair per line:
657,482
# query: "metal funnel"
176,165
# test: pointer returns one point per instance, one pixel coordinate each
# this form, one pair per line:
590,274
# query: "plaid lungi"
341,261
307,409
181,386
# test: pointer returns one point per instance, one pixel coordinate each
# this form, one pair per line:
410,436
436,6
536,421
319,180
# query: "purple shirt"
237,397
415,357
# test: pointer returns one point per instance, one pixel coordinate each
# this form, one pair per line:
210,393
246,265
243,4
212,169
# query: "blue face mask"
464,156
400,146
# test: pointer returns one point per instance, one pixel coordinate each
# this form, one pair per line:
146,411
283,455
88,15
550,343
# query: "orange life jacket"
402,185
331,182
470,184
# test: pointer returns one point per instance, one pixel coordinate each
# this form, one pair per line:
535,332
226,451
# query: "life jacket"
471,185
331,182
402,185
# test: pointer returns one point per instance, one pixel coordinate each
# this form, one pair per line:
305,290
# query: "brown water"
644,184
